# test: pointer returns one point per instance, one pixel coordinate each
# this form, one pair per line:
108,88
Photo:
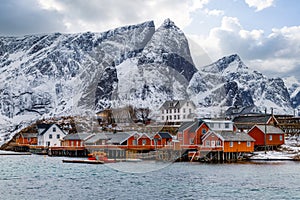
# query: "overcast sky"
265,33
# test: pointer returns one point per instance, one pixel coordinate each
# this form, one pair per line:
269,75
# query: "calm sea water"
40,177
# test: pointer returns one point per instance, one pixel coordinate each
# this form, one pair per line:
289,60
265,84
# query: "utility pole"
265,132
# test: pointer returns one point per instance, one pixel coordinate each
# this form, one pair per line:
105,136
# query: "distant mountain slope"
70,74
228,82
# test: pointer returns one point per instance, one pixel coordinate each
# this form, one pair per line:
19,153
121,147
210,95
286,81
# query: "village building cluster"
195,138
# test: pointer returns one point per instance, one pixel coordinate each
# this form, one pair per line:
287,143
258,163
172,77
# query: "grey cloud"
25,17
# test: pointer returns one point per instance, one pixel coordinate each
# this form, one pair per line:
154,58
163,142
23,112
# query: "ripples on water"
39,177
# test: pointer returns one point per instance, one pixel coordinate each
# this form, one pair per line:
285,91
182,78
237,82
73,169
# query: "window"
192,141
162,112
207,143
58,136
218,143
211,125
167,111
239,142
48,143
50,136
226,125
72,143
170,117
174,110
167,118
231,144
54,129
203,131
183,110
190,110
280,137
187,103
162,118
178,116
144,142
183,116
219,125
134,142
270,137
174,117
170,110
248,143
178,110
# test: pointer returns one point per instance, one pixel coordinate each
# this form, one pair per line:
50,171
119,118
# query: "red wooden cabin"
227,142
161,139
27,139
274,136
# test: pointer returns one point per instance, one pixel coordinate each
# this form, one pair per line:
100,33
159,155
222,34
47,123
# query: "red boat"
100,156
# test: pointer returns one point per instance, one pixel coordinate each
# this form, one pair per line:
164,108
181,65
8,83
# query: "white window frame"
207,143
231,144
213,143
248,144
270,137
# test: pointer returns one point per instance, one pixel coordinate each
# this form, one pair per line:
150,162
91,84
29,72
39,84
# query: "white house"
49,135
177,111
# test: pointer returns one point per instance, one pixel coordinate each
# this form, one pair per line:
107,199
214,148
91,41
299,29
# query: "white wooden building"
49,135
177,111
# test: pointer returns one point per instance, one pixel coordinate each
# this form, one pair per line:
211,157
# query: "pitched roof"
235,136
165,135
195,126
96,137
77,136
29,135
118,138
45,127
246,122
184,126
175,104
270,129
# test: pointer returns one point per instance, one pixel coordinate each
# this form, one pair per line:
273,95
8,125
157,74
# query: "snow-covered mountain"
69,74
229,82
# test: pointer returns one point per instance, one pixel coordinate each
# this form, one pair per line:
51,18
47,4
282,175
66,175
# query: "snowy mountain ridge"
69,74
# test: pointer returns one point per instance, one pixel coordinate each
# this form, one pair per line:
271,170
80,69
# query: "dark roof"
175,104
195,126
235,136
184,126
235,111
270,129
252,118
165,135
247,122
45,127
77,136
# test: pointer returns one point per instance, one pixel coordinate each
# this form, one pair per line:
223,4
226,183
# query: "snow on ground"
272,155
290,150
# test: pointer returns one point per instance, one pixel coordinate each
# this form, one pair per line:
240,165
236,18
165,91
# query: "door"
213,143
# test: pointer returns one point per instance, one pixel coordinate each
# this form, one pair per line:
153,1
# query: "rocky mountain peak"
169,46
168,24
224,63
